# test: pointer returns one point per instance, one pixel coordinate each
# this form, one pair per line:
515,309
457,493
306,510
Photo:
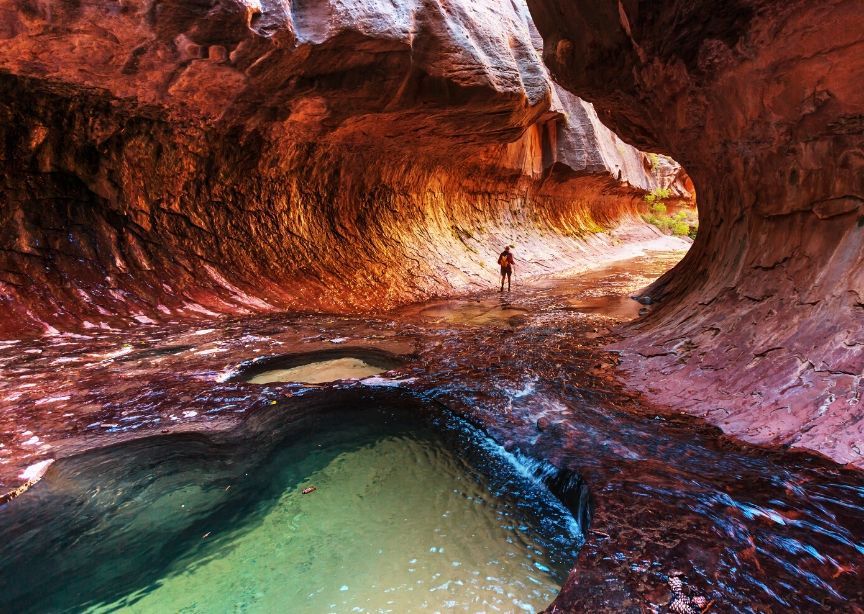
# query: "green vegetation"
657,195
683,223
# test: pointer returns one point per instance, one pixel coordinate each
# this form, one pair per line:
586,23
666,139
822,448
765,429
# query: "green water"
403,520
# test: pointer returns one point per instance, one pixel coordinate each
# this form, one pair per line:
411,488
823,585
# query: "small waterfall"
566,485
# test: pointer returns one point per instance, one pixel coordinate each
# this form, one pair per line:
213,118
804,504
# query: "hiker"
506,261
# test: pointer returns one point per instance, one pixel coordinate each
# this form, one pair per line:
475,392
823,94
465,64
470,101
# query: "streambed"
752,529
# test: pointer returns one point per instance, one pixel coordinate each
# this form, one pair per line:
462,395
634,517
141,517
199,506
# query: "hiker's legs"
508,282
502,281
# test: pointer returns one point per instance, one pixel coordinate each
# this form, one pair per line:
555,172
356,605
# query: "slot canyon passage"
255,358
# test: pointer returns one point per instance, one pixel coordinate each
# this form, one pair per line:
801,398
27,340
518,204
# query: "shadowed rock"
759,328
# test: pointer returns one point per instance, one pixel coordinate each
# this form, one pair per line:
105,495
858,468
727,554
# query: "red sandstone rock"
180,160
761,327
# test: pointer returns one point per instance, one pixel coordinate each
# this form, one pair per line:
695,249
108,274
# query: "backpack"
504,259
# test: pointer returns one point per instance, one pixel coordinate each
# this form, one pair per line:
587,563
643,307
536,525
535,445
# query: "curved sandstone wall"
166,160
760,328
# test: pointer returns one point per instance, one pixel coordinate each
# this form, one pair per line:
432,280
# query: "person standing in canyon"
506,261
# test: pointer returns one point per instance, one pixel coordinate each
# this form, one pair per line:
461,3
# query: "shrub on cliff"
657,194
680,223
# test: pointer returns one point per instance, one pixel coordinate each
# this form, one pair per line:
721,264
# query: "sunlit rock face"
761,327
172,160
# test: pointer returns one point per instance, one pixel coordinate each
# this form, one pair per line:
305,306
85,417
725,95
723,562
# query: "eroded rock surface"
169,160
761,327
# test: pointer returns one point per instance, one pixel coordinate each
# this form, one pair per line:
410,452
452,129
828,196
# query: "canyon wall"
760,329
166,160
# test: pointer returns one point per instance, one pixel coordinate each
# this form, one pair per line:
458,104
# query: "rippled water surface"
751,529
403,517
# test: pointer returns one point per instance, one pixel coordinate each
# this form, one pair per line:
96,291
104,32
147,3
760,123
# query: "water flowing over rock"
170,160
760,327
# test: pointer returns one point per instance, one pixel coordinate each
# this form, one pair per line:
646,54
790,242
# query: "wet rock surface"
759,329
753,530
167,163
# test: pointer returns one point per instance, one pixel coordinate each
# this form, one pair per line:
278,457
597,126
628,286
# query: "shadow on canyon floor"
754,530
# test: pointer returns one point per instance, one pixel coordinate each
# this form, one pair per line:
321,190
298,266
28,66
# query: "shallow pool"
405,516
319,372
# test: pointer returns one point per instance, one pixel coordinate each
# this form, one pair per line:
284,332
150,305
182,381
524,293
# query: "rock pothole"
318,367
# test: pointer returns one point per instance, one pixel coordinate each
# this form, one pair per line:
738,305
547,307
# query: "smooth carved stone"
193,159
742,94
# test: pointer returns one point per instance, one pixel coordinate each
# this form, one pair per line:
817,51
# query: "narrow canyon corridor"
254,353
